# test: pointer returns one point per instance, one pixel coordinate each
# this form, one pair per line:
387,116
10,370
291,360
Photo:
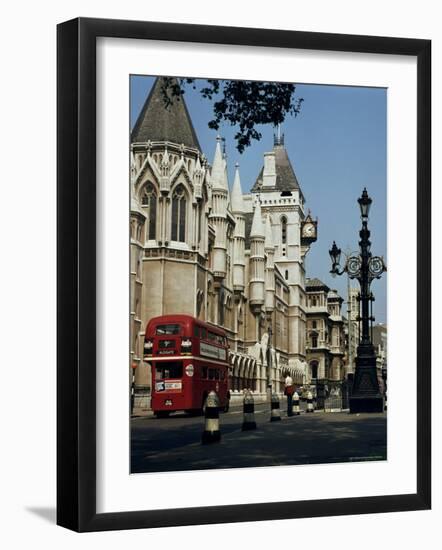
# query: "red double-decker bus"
189,358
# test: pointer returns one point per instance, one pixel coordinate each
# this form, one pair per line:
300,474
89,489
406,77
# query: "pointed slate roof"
315,283
286,179
236,196
158,122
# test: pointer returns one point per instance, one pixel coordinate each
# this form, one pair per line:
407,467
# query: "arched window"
314,341
286,274
149,204
283,230
179,214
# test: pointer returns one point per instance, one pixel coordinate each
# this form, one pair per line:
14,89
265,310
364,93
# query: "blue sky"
337,145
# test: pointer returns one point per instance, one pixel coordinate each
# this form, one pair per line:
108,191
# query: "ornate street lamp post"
364,267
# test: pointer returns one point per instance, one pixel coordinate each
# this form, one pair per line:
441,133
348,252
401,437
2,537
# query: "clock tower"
282,201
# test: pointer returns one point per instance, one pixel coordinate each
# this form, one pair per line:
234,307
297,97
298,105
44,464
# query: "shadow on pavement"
313,439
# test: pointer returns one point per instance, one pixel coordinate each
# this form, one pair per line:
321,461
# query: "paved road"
174,443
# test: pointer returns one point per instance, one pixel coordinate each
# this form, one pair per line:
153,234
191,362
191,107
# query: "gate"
321,394
338,398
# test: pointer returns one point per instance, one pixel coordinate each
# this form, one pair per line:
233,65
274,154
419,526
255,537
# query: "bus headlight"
186,345
189,370
148,345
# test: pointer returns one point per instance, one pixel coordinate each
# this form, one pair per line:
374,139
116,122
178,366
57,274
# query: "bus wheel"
161,414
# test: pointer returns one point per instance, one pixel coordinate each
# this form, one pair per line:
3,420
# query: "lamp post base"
365,396
366,404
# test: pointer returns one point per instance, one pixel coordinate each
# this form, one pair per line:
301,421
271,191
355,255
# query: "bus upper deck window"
169,330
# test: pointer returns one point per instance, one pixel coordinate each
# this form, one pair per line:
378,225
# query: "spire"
218,174
236,197
277,172
268,236
226,177
160,122
258,229
278,138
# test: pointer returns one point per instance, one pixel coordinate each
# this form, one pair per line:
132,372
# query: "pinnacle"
257,229
236,197
268,236
218,174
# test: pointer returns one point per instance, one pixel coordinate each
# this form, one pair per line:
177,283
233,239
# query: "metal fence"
333,398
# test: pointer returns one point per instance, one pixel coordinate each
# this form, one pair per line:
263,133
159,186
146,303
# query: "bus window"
168,369
203,333
196,331
168,329
212,336
223,375
211,374
216,374
204,372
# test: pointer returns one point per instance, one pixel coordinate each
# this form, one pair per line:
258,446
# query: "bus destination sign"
212,351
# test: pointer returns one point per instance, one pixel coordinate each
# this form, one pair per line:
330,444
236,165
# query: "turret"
237,205
269,249
257,259
218,215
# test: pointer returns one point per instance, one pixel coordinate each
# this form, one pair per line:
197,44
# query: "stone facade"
326,342
352,326
379,332
201,248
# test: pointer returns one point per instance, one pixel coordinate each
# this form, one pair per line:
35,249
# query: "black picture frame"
76,274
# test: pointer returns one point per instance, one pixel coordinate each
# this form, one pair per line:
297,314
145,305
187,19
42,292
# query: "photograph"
229,271
258,273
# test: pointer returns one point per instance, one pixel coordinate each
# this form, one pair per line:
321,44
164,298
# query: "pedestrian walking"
289,390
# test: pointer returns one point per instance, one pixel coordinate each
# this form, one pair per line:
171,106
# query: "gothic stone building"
228,258
325,333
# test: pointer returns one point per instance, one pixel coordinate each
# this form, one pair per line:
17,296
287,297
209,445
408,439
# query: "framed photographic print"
243,274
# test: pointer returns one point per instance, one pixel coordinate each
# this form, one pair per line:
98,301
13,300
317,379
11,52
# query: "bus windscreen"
169,369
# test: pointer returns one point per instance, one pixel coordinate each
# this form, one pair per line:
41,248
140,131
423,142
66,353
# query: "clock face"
309,230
